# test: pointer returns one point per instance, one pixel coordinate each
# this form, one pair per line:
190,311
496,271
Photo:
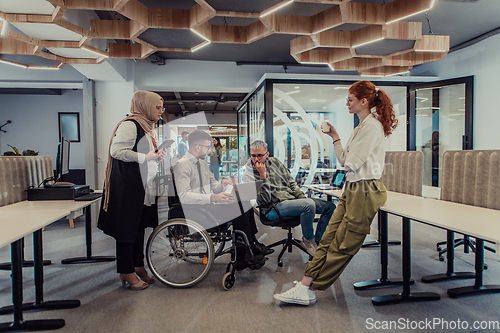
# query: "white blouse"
364,153
121,149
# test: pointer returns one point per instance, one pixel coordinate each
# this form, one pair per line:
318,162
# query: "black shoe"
264,249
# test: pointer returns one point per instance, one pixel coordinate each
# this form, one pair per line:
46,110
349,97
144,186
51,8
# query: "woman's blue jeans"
306,209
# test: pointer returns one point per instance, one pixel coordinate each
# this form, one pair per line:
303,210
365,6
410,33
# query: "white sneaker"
310,245
299,294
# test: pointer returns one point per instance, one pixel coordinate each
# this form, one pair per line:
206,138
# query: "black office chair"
284,222
466,242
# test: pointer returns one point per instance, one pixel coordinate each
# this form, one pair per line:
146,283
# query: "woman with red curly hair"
364,193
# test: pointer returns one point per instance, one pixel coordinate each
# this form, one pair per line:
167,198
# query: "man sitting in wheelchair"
204,200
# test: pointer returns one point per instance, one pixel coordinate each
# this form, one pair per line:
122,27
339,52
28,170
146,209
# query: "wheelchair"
181,252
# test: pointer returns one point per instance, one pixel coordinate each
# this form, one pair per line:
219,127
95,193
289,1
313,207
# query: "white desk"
17,221
15,225
452,217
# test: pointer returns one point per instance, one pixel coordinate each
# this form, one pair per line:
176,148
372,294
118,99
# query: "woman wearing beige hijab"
129,204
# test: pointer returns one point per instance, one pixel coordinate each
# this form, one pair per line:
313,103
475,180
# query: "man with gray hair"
280,189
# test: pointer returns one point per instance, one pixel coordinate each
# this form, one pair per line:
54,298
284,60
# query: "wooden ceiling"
318,38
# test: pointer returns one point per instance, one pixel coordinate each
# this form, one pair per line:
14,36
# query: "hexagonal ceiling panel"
43,31
313,31
171,38
29,60
253,6
385,47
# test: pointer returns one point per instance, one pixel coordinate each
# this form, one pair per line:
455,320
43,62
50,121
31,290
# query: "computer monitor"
63,158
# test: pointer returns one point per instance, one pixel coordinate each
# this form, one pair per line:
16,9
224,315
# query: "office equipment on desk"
58,192
89,197
337,183
247,191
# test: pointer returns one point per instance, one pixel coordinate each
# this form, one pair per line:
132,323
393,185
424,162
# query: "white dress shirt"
187,181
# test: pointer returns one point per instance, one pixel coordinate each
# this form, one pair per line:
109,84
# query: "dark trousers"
131,255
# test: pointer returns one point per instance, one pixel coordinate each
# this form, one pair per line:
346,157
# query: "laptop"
247,191
337,183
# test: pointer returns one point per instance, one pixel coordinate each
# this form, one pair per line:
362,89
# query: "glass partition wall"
300,106
442,123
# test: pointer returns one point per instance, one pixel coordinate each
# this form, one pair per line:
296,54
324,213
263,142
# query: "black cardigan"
126,198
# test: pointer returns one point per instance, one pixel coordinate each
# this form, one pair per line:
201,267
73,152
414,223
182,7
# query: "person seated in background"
196,185
279,188
183,145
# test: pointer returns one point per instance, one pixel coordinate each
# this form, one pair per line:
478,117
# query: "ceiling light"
313,63
41,67
200,46
428,88
102,54
340,88
321,30
372,41
196,32
331,66
404,72
297,87
275,9
404,17
13,63
293,92
431,50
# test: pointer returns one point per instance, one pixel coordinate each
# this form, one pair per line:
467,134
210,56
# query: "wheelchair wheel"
180,253
228,280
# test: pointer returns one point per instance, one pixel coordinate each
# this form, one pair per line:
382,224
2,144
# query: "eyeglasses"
204,145
160,108
348,100
257,156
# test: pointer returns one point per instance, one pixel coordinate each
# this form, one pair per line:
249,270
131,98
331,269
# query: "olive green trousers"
346,231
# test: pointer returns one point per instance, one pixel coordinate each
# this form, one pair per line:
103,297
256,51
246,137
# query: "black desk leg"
88,238
17,300
26,263
378,242
406,295
450,256
478,287
384,258
40,304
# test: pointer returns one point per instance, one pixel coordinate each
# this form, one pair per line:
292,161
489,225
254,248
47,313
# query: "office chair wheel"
228,280
280,263
439,249
485,266
180,253
441,258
